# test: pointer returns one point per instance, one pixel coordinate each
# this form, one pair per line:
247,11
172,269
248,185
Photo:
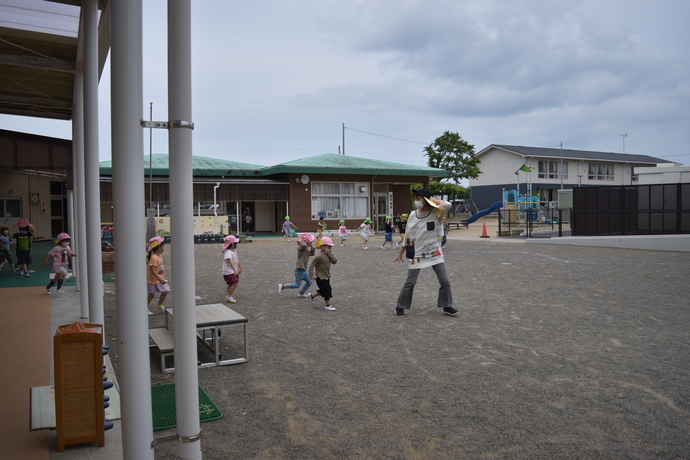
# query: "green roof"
202,166
331,163
328,163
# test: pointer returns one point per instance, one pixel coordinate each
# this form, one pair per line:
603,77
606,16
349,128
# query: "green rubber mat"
164,408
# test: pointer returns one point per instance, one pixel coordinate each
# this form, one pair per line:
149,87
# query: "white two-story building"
543,171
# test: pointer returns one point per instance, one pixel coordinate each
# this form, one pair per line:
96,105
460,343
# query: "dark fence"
662,209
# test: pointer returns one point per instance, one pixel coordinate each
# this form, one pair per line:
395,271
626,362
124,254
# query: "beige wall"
18,185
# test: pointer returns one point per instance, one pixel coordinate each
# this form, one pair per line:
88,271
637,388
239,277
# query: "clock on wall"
304,179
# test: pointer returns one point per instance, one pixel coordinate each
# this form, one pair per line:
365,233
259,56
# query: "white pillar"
79,236
182,227
129,235
91,171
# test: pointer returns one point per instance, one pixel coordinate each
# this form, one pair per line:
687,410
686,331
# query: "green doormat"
164,409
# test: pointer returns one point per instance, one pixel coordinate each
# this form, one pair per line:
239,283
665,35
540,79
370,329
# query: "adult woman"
422,245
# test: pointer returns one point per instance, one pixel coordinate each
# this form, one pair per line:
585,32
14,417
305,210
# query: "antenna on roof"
624,136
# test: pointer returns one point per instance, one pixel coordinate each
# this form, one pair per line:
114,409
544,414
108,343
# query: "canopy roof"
201,166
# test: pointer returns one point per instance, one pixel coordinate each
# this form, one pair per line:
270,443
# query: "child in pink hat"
61,254
155,273
232,268
304,250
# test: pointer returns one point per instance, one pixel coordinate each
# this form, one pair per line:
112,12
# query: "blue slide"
481,213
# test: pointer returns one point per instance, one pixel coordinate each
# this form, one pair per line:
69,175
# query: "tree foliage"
454,154
452,191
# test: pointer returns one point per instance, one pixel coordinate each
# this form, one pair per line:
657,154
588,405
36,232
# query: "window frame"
360,191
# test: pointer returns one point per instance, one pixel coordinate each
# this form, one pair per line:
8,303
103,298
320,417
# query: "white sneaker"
311,298
48,291
280,289
304,296
231,300
150,313
341,245
60,290
329,307
383,247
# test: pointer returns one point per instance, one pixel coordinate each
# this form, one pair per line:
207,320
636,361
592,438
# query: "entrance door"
381,210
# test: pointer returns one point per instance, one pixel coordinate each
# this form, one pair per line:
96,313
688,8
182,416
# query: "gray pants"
445,296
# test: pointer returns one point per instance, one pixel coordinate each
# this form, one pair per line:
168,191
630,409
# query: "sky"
276,81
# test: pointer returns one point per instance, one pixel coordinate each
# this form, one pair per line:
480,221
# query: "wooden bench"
163,340
456,225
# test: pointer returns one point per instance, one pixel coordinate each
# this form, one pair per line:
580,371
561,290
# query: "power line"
387,137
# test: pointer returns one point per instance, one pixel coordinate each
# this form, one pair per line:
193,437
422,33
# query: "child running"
320,227
286,228
24,240
5,240
155,273
364,230
232,268
342,232
388,233
320,271
61,254
401,229
304,250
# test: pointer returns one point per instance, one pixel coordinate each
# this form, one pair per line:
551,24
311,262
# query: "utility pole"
624,136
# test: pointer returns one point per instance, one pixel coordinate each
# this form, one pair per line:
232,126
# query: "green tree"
452,191
454,154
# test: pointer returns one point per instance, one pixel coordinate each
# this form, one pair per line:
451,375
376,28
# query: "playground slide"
482,213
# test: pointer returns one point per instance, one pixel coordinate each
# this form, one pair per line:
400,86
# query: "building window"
600,171
335,200
549,169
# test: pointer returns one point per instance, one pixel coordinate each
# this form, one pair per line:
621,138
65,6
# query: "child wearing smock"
364,231
155,273
388,232
304,251
342,232
5,240
286,228
61,254
320,271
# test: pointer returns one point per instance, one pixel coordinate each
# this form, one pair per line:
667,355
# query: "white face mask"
65,244
419,204
5,232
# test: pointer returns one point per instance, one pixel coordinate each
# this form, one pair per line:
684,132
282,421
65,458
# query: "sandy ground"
558,352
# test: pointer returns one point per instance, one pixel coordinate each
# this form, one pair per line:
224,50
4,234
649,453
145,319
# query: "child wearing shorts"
61,254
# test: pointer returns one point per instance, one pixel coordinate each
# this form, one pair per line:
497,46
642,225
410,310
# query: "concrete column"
182,227
91,171
129,237
79,236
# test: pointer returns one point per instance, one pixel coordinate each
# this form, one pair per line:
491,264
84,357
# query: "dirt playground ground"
559,352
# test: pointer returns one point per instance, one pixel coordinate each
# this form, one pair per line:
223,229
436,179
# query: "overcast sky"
274,81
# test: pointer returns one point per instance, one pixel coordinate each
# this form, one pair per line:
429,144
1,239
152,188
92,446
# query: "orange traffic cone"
484,234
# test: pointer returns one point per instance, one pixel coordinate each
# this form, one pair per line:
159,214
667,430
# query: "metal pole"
343,140
151,157
182,226
126,60
561,169
80,227
91,167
